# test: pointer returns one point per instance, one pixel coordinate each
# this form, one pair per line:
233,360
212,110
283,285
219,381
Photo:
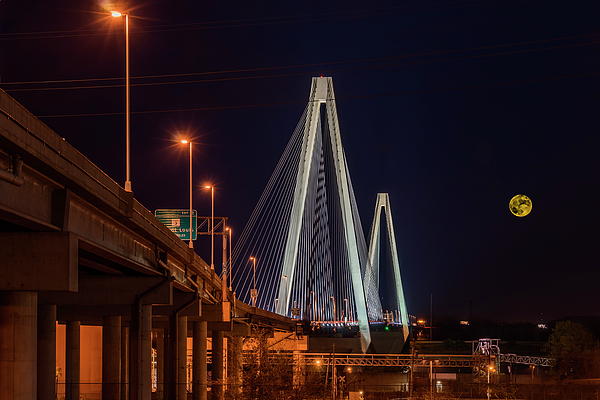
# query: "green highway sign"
178,221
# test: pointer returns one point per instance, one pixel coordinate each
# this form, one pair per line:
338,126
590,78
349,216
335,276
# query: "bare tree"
269,374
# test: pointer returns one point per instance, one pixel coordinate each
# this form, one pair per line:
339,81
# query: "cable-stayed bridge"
303,251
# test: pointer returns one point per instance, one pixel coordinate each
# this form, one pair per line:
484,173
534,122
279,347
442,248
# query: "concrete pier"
18,345
46,352
73,362
111,358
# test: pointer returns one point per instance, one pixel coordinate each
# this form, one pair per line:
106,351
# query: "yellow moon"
520,205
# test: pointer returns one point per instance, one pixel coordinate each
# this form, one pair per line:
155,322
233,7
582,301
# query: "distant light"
542,326
115,13
464,322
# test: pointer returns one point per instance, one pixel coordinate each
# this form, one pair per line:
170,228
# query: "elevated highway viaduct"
76,248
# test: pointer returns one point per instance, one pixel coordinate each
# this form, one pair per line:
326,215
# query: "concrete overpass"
75,247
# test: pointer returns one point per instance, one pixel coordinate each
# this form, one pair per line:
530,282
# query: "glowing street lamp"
230,270
346,316
285,302
212,226
254,294
118,14
314,306
191,188
333,299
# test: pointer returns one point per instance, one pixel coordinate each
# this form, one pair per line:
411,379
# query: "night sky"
451,107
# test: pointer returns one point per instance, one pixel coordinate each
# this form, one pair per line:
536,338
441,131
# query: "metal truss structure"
406,360
529,360
388,360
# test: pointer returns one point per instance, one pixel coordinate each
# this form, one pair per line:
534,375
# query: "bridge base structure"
89,277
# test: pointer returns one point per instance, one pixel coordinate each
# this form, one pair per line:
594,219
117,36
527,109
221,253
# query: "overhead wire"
301,66
214,108
239,23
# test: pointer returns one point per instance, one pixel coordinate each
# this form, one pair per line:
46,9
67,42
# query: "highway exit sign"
178,221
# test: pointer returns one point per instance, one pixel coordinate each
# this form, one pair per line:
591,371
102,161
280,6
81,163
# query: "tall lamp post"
117,14
285,300
314,306
212,226
333,299
191,188
230,270
346,316
254,294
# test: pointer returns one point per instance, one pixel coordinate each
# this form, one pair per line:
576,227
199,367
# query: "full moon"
520,205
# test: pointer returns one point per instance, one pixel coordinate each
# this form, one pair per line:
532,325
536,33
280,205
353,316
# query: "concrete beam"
217,312
38,261
180,299
240,330
220,326
81,313
114,290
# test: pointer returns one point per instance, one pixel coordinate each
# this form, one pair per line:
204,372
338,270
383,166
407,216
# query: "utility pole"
334,375
431,318
431,378
412,364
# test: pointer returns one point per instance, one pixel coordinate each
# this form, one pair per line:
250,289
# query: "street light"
254,294
333,299
346,316
191,188
314,306
230,270
118,14
285,304
212,226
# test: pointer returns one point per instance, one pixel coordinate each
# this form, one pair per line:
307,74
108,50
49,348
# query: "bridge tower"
393,279
321,132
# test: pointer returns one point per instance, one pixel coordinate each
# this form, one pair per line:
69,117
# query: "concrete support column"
199,384
182,358
160,363
18,345
235,347
217,365
140,372
124,362
73,363
46,352
111,358
169,361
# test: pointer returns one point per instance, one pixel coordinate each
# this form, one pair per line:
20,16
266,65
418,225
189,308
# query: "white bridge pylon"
383,204
321,135
322,93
